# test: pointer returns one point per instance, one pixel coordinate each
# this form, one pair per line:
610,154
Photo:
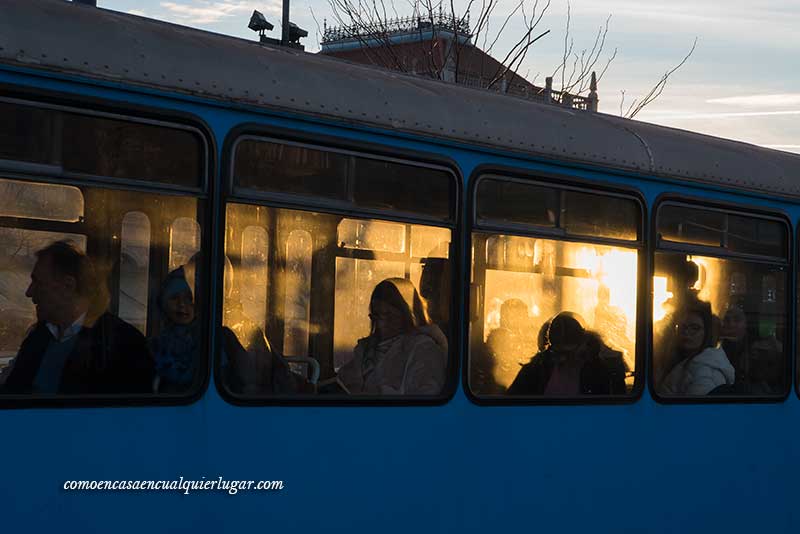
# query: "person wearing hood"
405,354
176,346
571,362
702,367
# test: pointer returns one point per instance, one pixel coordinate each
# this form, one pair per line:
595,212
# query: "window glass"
280,168
719,327
101,146
749,235
254,272
555,319
49,202
94,307
736,233
324,334
429,242
299,251
372,235
389,185
134,269
26,134
514,202
502,201
184,241
592,215
688,225
269,166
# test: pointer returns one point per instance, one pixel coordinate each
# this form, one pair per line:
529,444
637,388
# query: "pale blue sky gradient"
742,82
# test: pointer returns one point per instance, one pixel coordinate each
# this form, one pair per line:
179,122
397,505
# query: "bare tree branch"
658,88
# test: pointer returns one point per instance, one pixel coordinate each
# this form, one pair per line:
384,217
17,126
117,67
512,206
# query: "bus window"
75,302
326,268
553,318
100,293
134,269
357,303
720,316
101,146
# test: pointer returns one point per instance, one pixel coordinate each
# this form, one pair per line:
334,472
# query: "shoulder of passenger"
712,356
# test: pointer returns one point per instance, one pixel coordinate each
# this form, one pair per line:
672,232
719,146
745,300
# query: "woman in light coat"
702,367
404,354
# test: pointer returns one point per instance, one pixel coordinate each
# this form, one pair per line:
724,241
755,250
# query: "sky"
741,82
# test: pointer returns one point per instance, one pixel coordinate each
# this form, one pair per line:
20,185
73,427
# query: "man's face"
49,291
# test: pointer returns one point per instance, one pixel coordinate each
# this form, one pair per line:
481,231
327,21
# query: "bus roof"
52,35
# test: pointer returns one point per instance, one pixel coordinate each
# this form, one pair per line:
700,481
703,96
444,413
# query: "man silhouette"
76,346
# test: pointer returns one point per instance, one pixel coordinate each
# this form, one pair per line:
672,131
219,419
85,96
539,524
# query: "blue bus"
244,287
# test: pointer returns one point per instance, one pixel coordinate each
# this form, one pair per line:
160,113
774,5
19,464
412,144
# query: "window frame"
103,109
307,203
38,98
737,209
323,203
562,181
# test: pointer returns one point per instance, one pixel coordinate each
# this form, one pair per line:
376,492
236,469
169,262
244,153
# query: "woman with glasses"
701,367
404,354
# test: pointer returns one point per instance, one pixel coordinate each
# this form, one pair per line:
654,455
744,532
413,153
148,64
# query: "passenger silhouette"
701,367
405,354
176,347
573,362
76,346
250,366
513,342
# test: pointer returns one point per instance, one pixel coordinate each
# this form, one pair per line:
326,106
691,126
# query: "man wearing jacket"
76,346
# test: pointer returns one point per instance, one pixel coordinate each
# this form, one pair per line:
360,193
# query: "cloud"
759,101
785,148
679,115
138,12
205,12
